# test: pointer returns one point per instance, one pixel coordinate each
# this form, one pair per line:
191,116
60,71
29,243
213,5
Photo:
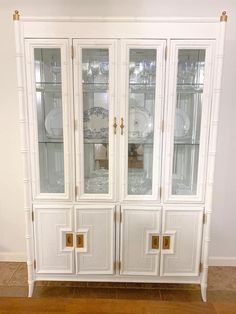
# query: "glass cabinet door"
47,108
94,81
189,120
143,115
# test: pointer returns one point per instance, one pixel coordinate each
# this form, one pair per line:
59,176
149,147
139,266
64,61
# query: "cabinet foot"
31,288
204,292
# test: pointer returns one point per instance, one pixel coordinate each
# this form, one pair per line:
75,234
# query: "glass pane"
50,119
142,84
190,80
95,80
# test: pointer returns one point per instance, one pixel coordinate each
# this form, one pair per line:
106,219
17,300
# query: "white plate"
96,185
140,122
96,123
54,123
182,123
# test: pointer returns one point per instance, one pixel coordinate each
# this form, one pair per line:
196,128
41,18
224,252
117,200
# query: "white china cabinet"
118,123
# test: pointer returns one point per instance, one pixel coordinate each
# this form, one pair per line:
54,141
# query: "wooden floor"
88,297
109,306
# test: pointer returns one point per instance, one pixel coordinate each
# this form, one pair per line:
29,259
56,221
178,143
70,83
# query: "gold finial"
224,17
16,16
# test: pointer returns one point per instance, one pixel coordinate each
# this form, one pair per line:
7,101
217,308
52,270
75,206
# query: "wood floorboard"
115,298
225,308
106,306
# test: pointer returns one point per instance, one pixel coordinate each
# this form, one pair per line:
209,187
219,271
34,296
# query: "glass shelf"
48,87
144,88
51,141
96,141
143,84
190,88
94,83
182,143
95,87
48,82
141,141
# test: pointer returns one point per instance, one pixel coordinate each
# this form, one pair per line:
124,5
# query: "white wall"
12,242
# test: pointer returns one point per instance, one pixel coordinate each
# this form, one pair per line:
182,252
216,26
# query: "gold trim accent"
80,240
166,243
35,264
32,216
204,218
119,265
122,125
200,268
69,239
76,191
120,217
16,16
155,242
115,125
224,17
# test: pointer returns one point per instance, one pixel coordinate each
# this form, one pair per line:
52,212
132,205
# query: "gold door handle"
166,243
69,239
80,240
155,242
122,126
114,125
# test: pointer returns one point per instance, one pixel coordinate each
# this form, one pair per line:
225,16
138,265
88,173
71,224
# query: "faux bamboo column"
19,43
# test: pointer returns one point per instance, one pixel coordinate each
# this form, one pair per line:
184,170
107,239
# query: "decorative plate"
54,123
96,185
96,123
182,123
140,122
139,184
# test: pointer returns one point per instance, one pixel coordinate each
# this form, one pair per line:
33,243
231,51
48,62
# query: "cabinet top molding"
223,18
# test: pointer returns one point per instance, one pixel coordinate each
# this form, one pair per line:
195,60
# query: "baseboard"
222,261
12,257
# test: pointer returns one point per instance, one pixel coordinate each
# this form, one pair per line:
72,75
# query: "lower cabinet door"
140,240
53,230
95,239
181,240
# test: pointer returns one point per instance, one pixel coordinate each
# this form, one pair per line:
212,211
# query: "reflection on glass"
190,80
47,64
95,79
142,81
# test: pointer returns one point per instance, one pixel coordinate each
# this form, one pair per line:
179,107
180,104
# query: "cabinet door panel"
94,77
48,74
53,254
141,97
138,255
181,241
95,233
188,113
